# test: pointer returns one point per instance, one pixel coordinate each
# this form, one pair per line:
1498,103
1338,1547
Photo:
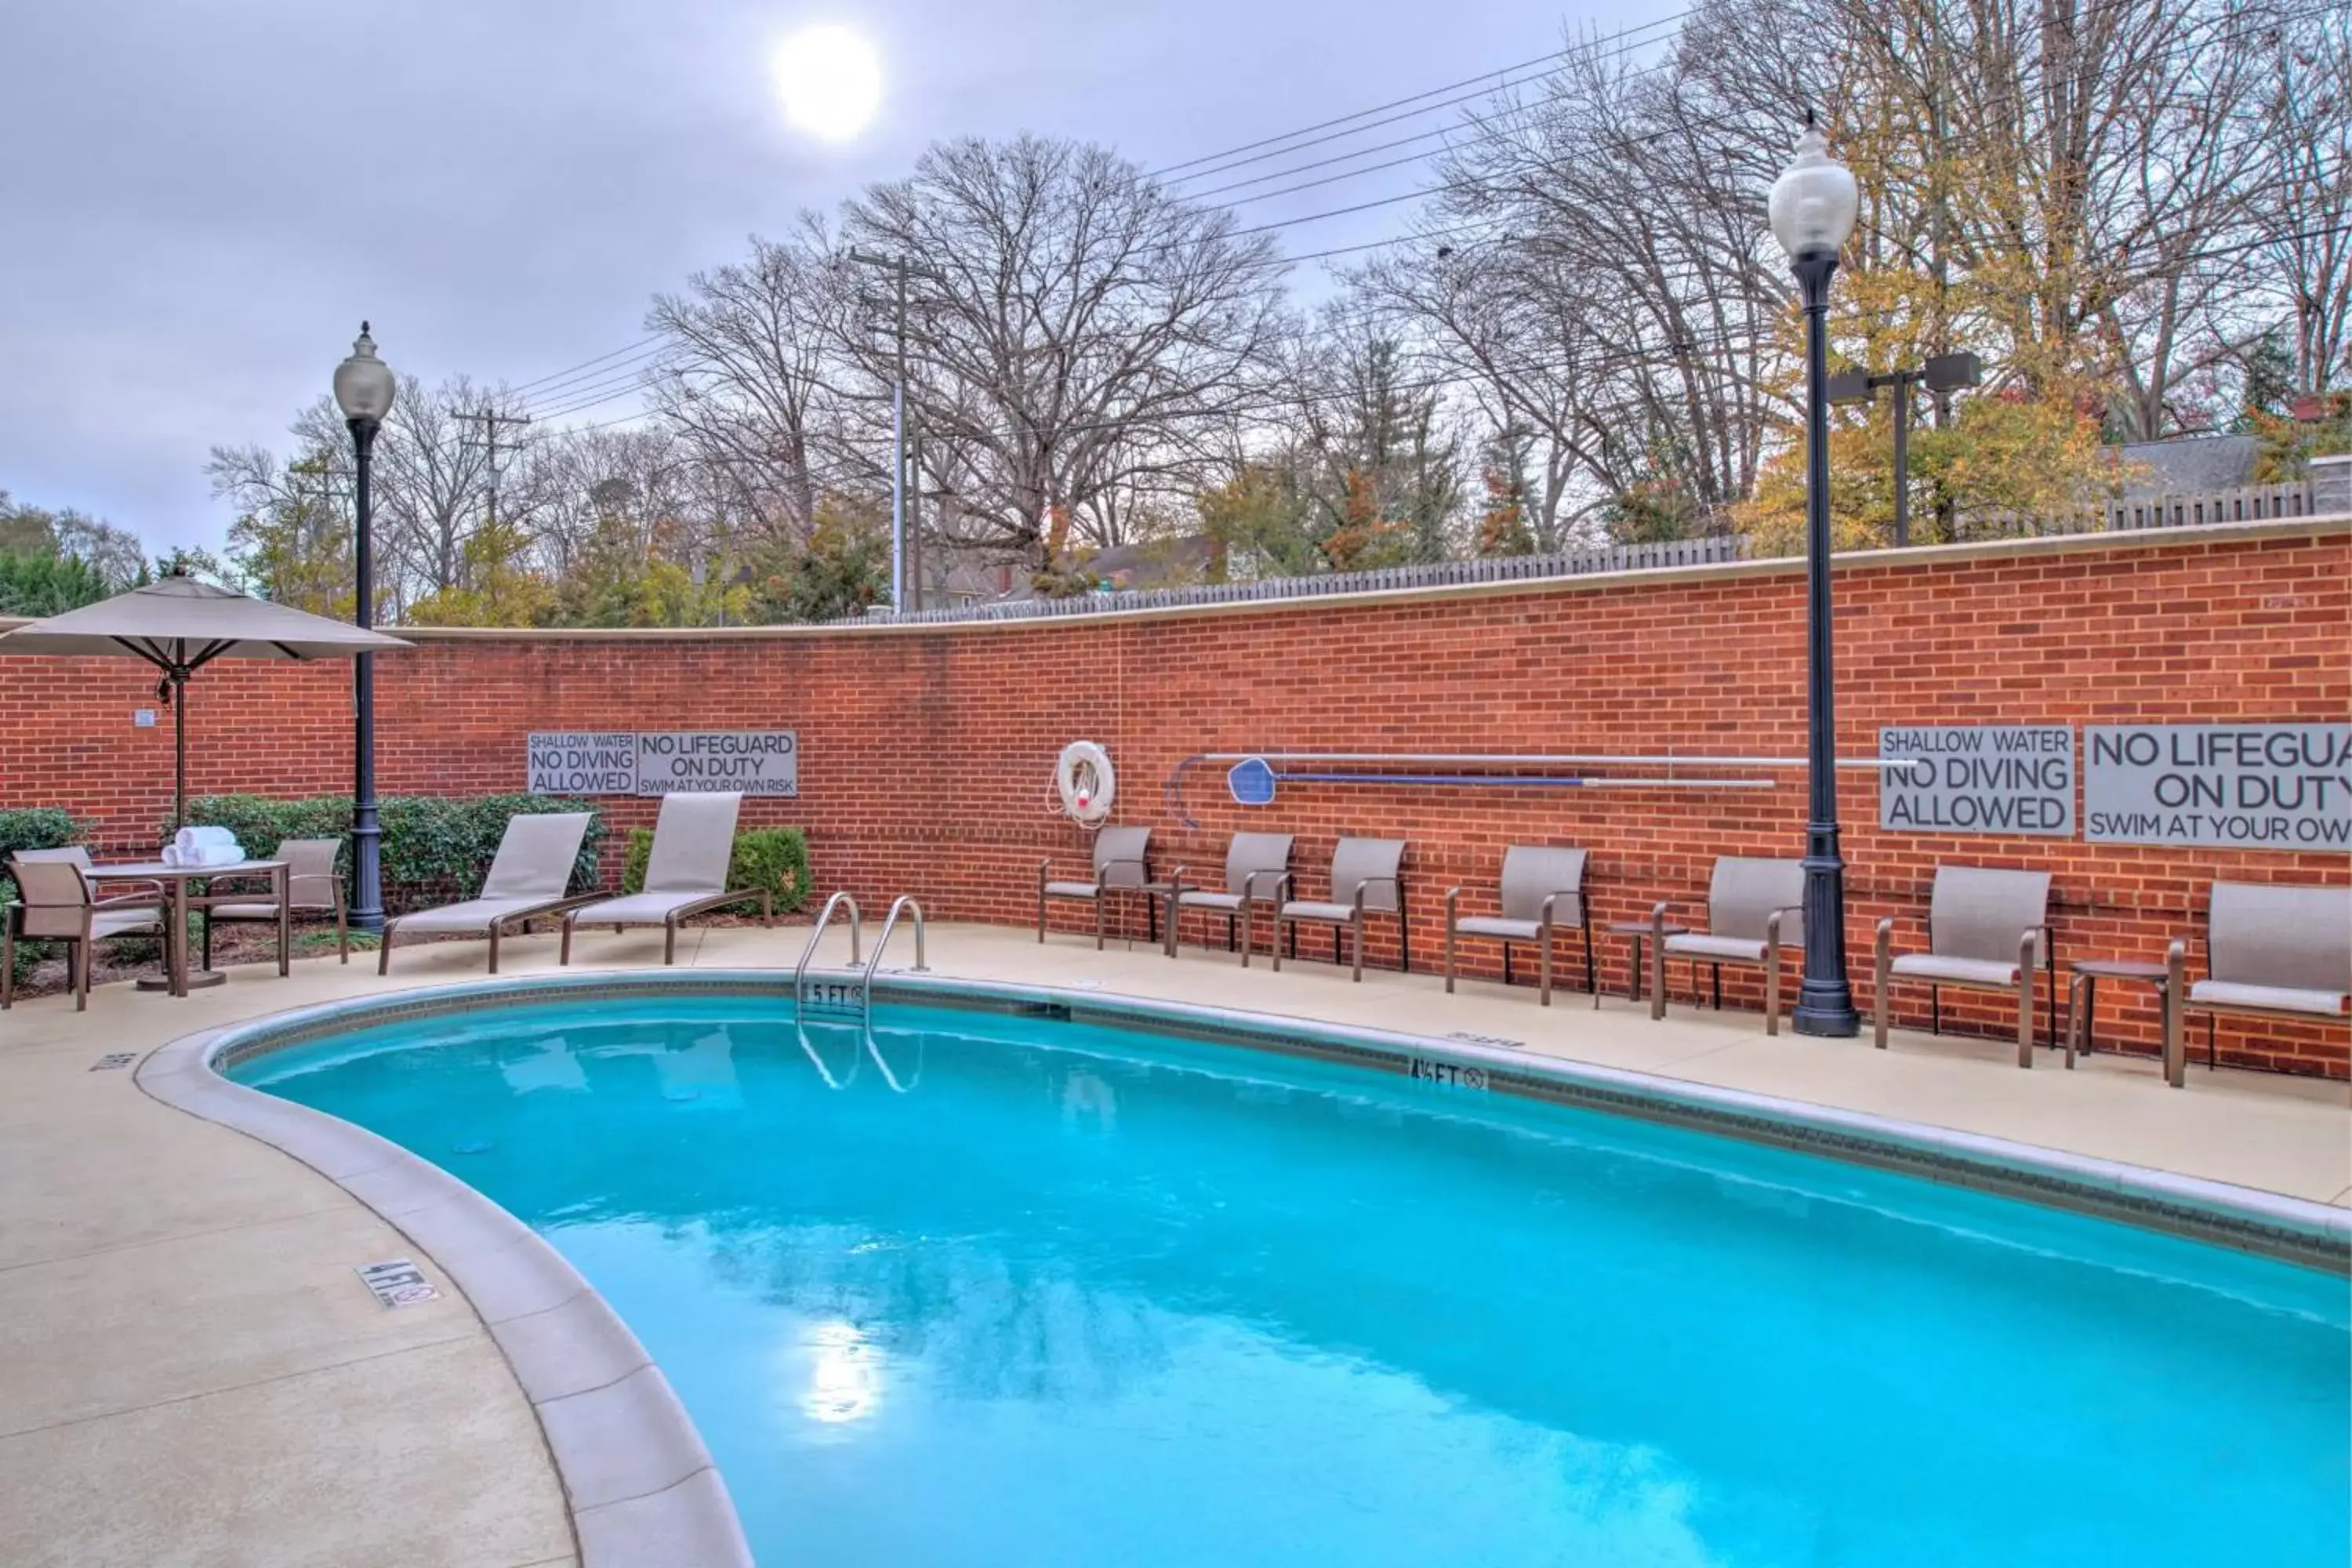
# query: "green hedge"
434,847
31,828
775,859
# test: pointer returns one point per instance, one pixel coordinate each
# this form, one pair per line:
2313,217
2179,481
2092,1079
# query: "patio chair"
527,880
1754,908
1118,862
1365,880
311,888
1257,866
1987,930
2270,953
693,840
56,904
1535,883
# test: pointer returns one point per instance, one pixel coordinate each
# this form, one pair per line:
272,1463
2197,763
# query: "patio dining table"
175,978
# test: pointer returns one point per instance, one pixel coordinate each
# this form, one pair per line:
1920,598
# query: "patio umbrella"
180,624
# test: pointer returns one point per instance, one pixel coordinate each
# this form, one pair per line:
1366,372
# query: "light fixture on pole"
1812,210
1941,374
363,389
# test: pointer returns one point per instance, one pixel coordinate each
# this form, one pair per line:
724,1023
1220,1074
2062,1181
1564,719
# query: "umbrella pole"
179,678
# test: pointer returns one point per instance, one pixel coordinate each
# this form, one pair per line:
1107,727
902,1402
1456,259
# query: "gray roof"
2190,463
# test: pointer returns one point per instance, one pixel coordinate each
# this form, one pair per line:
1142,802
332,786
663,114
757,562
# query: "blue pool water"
1086,1297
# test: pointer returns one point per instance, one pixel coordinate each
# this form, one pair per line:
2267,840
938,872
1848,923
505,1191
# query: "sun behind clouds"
829,80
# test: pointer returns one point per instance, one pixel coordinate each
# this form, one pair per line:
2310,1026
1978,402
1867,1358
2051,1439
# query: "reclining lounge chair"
693,840
1543,895
528,879
2270,953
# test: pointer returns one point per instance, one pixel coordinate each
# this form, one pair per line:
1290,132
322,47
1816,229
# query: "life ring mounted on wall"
1083,779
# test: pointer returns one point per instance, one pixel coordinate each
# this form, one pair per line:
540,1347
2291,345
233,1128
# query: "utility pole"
491,420
902,548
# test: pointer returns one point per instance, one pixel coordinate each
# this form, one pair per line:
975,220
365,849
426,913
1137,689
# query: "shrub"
434,847
775,859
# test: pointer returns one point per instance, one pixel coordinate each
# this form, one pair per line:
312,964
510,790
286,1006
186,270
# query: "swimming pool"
1081,1294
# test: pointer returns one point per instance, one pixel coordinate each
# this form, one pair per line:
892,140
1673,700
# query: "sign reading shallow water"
2253,786
667,761
1984,778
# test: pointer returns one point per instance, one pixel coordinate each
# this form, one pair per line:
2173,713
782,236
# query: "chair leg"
342,928
1657,979
669,940
383,949
7,959
494,947
1356,947
1715,970
1543,974
1449,955
1404,936
563,948
1934,1010
1591,983
285,938
2025,1015
1099,899
1278,944
77,974
1772,989
1879,982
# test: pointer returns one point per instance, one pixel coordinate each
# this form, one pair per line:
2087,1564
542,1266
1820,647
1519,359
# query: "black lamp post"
364,387
1813,209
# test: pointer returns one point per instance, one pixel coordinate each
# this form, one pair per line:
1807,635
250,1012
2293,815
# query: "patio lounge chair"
56,904
693,840
2270,953
1754,908
1257,868
311,888
528,879
1364,880
1987,930
1118,862
1543,895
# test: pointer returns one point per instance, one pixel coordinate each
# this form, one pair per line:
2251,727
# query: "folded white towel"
227,854
197,838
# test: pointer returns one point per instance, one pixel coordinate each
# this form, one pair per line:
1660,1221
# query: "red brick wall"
926,754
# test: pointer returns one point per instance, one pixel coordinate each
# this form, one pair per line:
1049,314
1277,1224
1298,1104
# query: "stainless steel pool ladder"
903,902
801,998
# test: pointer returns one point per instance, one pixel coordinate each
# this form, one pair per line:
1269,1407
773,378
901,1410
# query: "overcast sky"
201,201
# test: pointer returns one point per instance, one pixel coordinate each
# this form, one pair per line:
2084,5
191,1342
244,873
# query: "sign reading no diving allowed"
667,761
1983,778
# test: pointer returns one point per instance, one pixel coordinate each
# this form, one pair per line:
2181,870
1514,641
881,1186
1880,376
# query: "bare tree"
1073,326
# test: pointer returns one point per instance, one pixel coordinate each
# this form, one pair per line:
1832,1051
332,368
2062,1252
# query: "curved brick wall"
926,751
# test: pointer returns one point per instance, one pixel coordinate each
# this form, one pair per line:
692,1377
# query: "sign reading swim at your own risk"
664,761
2253,786
1982,778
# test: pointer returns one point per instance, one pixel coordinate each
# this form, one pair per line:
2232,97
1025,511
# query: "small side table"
1639,931
2082,999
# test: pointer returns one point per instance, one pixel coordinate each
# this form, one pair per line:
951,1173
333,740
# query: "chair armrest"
1543,914
2176,969
1773,921
1453,905
1176,882
123,900
1355,899
1282,884
2025,943
1658,910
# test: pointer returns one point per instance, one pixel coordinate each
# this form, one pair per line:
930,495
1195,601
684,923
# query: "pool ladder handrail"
898,906
816,935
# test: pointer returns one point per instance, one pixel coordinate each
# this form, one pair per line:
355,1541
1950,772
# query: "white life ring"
1083,778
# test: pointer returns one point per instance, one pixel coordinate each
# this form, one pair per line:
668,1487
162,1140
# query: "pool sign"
664,761
1982,778
2253,786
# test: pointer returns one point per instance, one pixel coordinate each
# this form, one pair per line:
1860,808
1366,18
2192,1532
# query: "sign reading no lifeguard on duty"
664,761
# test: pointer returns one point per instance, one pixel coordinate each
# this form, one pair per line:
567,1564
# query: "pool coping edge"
632,1465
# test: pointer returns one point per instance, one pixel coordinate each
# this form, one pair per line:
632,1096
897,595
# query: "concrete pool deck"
197,1376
